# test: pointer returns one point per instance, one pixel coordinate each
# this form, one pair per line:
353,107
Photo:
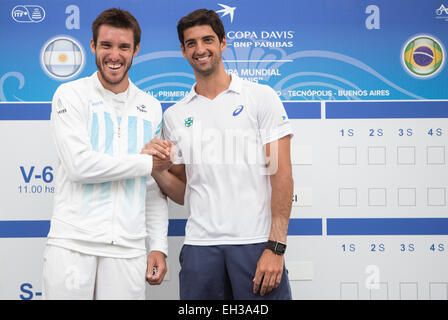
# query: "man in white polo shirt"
233,169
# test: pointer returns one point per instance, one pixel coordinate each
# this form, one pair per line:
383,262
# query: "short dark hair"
117,18
201,17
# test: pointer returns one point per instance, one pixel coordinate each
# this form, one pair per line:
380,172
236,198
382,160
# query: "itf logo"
423,56
62,58
28,13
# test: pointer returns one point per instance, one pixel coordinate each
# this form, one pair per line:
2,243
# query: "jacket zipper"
116,184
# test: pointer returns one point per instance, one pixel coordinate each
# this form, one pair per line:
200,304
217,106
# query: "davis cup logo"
28,13
423,56
62,58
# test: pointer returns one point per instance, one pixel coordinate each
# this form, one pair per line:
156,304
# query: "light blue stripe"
142,194
158,128
87,196
106,189
147,131
132,135
94,132
119,120
129,196
130,185
109,126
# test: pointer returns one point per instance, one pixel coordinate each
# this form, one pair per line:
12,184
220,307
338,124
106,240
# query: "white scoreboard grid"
369,217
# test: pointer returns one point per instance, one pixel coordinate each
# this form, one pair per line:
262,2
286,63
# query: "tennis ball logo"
62,58
423,56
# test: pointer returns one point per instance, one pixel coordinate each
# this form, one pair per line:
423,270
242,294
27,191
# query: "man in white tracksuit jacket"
107,204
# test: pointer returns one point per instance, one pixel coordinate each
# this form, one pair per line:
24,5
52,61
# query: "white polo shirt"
221,141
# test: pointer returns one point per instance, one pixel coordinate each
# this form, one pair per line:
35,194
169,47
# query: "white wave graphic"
272,58
163,75
7,75
168,80
280,83
252,58
347,59
158,55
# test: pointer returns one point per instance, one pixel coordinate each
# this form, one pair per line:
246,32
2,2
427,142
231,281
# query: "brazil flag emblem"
423,56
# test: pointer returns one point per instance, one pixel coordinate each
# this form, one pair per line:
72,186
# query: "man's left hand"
157,262
269,272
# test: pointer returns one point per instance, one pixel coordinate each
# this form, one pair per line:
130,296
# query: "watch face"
281,248
277,247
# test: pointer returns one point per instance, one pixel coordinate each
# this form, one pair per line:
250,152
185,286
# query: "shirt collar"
103,90
235,86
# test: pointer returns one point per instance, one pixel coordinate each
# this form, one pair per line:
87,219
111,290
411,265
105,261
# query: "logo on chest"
142,108
97,103
189,121
238,110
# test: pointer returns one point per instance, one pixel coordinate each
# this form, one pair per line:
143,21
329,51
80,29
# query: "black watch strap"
276,246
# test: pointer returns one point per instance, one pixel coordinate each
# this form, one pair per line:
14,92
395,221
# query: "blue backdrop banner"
305,50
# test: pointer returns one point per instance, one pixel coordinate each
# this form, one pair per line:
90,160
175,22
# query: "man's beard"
105,78
214,65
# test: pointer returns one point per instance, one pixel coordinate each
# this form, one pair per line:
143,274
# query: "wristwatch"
276,246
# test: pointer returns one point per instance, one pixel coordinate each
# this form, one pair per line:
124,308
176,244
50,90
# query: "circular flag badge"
423,56
62,58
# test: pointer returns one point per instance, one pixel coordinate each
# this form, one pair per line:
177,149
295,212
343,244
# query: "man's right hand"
170,178
161,151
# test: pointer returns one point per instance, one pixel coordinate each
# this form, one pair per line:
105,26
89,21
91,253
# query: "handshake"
162,152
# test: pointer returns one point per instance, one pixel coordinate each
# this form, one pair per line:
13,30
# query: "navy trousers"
224,272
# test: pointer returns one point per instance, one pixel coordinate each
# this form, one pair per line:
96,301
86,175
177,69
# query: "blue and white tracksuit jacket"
104,191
